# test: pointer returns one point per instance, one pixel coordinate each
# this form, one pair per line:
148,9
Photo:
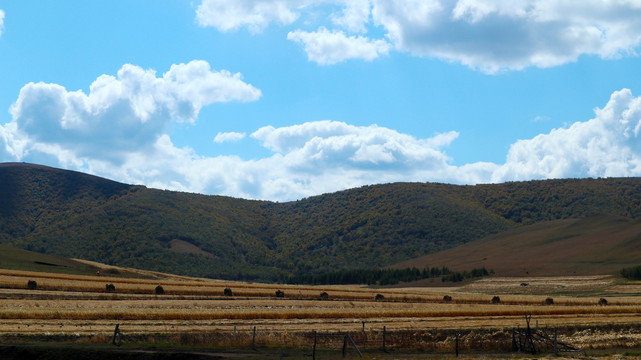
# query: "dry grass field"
195,312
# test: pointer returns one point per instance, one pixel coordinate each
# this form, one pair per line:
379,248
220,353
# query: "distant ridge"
77,215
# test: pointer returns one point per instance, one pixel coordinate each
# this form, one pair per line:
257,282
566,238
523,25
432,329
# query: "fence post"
345,346
353,344
384,330
314,349
363,326
254,339
457,344
116,333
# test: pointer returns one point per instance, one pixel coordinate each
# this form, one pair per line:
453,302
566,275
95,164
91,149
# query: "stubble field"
195,312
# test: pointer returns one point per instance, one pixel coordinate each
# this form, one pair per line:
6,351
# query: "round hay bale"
603,302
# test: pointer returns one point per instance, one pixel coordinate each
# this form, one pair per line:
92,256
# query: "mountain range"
72,214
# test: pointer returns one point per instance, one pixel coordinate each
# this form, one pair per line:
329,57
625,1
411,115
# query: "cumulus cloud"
511,35
487,35
222,137
330,47
608,145
333,143
120,114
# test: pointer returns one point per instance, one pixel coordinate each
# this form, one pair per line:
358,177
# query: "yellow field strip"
277,309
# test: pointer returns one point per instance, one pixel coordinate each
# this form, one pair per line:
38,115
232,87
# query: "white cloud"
120,114
328,48
1,21
608,145
488,35
256,15
354,16
510,35
222,137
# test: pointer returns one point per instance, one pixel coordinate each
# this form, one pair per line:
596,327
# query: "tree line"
386,276
633,273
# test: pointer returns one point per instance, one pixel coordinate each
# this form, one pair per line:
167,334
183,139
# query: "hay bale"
110,288
32,285
603,302
496,300
447,299
159,290
379,297
227,292
549,301
324,296
280,293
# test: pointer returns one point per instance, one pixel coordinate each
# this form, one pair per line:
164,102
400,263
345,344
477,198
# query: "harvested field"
194,312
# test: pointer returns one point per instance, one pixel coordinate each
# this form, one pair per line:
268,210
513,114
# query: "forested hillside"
77,215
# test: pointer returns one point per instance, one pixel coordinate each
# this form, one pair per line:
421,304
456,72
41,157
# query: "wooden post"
314,349
363,326
116,333
345,346
254,339
354,344
457,344
384,350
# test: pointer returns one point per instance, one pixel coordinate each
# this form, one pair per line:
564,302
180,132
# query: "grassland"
195,312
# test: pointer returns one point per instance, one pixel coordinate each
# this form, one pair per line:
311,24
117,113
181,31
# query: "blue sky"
283,99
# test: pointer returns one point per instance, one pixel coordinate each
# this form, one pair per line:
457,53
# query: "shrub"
549,301
379,297
447,298
280,293
227,292
110,288
159,290
324,295
496,300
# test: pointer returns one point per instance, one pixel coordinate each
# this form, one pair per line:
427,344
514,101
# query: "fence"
367,340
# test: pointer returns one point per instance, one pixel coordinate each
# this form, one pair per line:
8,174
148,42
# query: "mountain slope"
72,214
594,245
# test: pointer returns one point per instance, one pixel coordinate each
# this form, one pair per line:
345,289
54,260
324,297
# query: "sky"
281,100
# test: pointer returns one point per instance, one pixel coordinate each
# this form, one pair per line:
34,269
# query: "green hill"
77,215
